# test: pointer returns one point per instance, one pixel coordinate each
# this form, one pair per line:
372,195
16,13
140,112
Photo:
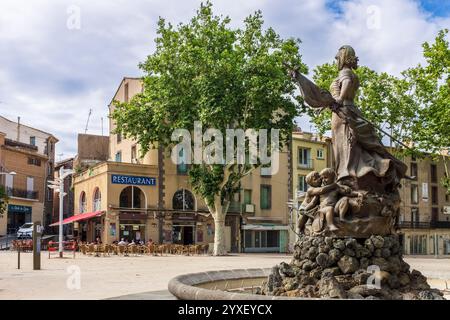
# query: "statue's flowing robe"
357,149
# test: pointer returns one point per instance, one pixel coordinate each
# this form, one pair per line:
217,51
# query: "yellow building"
309,153
26,162
151,198
425,209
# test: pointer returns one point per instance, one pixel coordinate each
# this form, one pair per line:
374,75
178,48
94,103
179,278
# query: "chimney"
18,129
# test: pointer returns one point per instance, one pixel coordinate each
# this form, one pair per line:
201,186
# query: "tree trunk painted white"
219,235
219,212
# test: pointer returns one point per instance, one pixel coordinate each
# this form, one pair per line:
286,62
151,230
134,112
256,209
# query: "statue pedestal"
349,268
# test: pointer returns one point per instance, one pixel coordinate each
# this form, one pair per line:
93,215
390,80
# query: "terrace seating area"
128,250
22,245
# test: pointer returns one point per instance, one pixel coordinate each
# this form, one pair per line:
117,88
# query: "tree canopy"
223,77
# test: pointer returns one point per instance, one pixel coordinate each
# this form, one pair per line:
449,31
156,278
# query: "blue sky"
52,74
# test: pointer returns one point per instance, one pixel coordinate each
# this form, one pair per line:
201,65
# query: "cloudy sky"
60,58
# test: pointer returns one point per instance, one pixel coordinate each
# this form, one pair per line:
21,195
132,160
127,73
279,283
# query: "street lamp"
58,186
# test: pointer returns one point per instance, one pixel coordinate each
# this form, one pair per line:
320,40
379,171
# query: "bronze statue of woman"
360,159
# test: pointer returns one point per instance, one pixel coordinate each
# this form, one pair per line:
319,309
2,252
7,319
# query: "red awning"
79,217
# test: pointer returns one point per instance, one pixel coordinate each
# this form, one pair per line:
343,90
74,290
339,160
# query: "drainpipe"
18,129
160,194
436,245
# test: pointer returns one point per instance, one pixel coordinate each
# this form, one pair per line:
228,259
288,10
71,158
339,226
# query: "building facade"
309,153
40,143
425,209
29,153
149,197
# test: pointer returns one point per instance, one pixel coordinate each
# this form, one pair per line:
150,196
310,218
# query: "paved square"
109,277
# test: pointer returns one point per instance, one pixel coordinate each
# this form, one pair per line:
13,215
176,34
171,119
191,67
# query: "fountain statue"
348,245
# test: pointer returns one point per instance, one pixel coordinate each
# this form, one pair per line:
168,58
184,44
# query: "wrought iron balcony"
20,193
306,164
414,225
424,224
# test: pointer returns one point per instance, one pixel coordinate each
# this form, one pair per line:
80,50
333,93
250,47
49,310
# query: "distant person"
122,242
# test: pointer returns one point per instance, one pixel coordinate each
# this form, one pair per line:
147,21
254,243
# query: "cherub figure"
312,198
329,199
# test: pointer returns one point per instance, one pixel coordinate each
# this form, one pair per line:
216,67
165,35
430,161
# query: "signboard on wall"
133,180
19,209
446,210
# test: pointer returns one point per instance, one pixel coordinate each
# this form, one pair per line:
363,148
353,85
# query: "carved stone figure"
361,162
354,208
360,159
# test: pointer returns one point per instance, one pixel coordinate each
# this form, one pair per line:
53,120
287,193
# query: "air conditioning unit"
249,208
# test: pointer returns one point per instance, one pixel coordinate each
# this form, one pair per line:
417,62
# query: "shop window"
183,200
418,244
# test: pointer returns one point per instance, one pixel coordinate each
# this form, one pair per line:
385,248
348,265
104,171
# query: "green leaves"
224,77
3,201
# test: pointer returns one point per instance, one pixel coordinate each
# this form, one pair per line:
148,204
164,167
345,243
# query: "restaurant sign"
133,180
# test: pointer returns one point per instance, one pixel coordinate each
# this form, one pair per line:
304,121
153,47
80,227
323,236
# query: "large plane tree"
223,77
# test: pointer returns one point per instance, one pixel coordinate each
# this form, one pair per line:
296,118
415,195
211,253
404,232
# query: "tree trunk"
219,235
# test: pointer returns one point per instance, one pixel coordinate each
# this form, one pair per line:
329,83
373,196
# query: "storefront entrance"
132,230
17,216
183,234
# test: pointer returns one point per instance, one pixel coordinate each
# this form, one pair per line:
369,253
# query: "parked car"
25,231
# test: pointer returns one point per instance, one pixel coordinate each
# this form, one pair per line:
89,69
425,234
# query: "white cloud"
51,76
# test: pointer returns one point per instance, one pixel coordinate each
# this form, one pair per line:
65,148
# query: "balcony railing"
414,224
306,164
20,193
424,224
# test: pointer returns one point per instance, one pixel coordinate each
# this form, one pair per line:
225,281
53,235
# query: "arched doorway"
183,232
132,223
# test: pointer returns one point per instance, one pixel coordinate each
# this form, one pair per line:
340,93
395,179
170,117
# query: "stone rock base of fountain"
349,268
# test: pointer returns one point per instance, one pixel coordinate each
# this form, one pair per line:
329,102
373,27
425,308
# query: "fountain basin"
235,284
